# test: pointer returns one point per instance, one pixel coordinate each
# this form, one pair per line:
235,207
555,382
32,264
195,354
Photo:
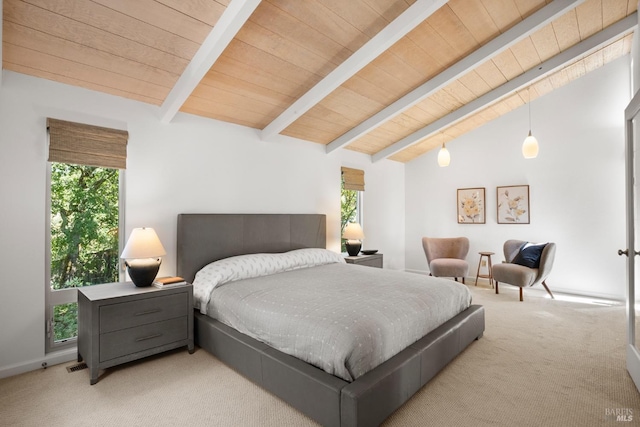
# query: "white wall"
200,165
190,165
576,183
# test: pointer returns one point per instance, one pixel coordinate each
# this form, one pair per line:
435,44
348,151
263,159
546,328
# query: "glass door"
632,115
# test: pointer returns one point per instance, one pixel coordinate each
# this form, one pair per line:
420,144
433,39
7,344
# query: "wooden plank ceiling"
139,49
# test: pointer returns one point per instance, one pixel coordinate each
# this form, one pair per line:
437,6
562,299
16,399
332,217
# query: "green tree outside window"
348,211
84,233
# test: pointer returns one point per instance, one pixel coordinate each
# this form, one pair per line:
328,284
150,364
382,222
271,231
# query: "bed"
328,399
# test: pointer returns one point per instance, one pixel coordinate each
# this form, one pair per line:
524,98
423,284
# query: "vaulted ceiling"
389,78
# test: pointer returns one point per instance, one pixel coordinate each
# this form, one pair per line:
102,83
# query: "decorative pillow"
529,255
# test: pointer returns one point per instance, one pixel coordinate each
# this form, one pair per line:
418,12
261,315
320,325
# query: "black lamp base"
353,247
143,271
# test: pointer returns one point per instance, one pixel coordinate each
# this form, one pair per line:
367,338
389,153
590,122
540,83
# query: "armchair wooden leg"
455,278
521,298
547,288
497,287
463,281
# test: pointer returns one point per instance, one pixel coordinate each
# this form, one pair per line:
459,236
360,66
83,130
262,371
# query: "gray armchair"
447,256
520,275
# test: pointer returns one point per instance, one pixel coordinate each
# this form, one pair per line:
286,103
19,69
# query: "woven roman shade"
87,145
353,179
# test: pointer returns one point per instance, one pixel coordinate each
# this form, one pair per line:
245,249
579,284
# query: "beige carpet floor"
540,363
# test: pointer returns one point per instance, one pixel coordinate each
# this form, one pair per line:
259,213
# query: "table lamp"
142,256
353,233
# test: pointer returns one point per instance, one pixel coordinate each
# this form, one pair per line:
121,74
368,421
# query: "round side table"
489,274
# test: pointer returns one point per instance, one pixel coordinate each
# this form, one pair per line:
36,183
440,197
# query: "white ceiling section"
390,78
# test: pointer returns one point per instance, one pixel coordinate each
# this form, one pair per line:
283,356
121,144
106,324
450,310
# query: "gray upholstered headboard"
204,238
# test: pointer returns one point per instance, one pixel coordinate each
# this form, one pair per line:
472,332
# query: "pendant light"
444,158
530,144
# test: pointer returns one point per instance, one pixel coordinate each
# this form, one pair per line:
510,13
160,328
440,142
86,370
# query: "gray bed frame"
329,400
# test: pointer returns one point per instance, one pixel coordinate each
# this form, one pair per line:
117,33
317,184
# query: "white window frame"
359,204
66,296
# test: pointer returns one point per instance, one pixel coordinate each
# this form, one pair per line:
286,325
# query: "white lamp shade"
143,243
530,147
444,158
353,231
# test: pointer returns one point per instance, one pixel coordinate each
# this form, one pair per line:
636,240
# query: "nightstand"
374,260
119,322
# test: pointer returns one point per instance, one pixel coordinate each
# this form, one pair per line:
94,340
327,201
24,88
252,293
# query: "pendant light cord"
529,96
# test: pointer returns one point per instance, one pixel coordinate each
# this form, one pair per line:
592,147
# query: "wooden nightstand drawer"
129,314
129,341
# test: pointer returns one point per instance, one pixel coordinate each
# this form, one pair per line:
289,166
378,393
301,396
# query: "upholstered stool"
489,274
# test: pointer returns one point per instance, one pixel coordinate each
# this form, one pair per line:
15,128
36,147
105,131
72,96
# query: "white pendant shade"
444,158
530,144
530,147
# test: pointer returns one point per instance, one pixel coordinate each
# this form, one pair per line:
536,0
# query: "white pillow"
255,265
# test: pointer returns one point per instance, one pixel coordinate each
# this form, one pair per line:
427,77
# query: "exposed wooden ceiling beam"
499,44
382,41
559,61
233,18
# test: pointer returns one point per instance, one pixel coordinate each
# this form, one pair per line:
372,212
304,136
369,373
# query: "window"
350,199
84,221
84,234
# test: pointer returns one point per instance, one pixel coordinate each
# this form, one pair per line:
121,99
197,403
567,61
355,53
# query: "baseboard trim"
50,359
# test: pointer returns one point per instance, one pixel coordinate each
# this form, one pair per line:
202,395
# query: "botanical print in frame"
471,206
513,204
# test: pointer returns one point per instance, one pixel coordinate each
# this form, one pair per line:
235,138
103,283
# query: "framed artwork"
471,206
513,204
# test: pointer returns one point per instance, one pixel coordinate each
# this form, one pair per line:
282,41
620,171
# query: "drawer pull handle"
144,313
150,337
